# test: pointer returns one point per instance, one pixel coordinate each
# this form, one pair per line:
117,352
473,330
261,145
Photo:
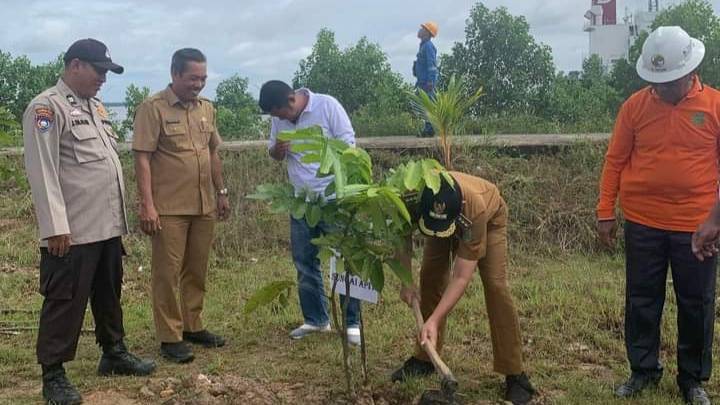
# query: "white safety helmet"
668,54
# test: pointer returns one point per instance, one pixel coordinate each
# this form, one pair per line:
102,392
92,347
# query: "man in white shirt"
291,110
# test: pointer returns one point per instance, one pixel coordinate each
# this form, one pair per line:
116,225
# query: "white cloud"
265,40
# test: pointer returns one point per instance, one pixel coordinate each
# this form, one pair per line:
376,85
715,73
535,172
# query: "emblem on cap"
438,211
658,61
107,53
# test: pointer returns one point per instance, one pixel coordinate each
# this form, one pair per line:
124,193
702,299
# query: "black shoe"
177,352
204,338
637,383
412,368
56,389
518,389
117,360
695,395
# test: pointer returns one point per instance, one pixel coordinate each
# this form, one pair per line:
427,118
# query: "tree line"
523,92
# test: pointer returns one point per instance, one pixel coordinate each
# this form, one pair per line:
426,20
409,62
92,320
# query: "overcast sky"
265,39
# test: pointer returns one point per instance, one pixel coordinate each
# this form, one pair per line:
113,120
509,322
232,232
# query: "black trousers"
648,252
93,271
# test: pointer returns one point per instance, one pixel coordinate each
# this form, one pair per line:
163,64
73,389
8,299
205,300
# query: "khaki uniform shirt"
73,167
482,206
181,138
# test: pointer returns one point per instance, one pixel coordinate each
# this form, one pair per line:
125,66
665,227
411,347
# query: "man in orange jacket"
663,163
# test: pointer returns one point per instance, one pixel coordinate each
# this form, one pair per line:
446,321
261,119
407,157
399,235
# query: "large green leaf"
397,202
413,176
311,157
313,215
340,178
326,160
431,175
378,219
309,133
305,147
340,265
448,178
404,274
266,295
271,192
325,254
337,144
377,276
298,210
352,189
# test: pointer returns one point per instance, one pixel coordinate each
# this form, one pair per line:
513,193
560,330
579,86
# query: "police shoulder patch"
44,118
102,112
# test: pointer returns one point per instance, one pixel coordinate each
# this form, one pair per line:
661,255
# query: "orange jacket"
663,160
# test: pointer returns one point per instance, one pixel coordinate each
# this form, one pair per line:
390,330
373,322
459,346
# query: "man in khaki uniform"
77,189
179,173
466,227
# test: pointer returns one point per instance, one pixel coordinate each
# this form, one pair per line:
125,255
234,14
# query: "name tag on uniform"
80,122
174,127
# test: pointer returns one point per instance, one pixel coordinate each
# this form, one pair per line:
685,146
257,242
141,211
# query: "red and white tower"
608,39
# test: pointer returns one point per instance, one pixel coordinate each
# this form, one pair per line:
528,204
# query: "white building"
610,40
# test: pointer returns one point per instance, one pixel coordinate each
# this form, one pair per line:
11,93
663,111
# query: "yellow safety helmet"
431,27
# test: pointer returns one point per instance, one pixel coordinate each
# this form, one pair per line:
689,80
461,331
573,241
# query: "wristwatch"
223,191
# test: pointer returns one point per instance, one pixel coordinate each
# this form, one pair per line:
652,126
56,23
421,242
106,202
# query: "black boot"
117,360
204,338
56,389
518,389
637,383
177,352
412,368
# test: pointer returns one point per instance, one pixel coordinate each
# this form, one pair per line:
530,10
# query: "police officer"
181,190
77,190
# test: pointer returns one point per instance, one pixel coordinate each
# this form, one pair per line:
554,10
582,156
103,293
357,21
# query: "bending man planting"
466,227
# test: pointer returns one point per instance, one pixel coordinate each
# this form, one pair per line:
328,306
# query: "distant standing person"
662,161
181,191
296,109
425,67
78,192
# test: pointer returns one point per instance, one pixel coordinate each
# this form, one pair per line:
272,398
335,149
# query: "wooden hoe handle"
439,364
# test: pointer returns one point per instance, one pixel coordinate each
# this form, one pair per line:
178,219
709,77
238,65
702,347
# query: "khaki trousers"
180,252
502,316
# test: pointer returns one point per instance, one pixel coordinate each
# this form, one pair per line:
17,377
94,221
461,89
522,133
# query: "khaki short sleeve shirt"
181,137
484,207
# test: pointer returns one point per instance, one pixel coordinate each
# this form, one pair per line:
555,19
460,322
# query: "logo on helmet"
658,61
438,211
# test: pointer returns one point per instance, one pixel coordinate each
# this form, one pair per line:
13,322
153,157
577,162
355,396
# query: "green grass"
570,310
570,300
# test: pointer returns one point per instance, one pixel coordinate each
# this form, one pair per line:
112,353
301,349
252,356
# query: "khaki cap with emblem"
93,52
438,212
